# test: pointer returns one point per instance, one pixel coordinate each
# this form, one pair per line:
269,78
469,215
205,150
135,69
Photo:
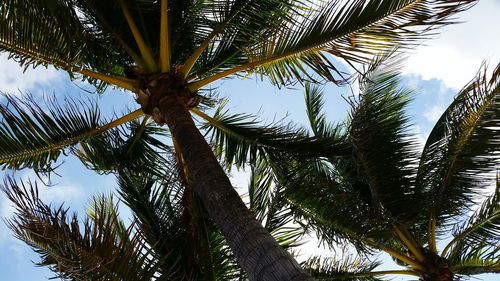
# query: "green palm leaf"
135,146
461,149
240,138
317,118
77,251
269,205
104,206
325,191
107,23
171,217
344,268
475,246
32,31
233,23
336,211
32,136
473,266
51,33
158,212
353,30
378,121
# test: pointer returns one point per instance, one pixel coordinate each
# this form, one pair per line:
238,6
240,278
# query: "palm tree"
384,195
171,237
168,51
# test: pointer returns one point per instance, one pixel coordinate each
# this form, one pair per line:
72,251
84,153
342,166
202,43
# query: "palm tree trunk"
255,249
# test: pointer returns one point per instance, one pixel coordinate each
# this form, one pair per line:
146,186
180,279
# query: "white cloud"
420,136
14,80
61,193
456,55
432,115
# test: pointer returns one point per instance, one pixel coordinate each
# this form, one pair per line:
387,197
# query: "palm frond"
462,149
171,217
479,235
104,207
335,213
240,138
50,33
136,146
473,266
33,136
35,36
75,250
104,20
238,23
326,191
317,118
191,23
269,205
347,267
260,189
239,20
378,120
157,206
352,30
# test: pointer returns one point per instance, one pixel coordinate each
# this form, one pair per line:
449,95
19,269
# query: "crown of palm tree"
395,198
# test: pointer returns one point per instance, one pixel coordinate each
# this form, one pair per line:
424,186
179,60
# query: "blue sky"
435,70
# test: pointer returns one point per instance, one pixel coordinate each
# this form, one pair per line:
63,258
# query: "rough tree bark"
256,250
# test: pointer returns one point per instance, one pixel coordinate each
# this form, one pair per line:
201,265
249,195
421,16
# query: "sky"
436,70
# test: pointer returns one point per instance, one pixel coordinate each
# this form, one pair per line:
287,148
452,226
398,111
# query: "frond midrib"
471,229
461,144
44,59
297,52
30,153
219,125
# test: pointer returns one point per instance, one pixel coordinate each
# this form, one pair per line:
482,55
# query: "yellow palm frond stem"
75,139
188,65
133,54
196,85
404,258
43,59
448,247
164,38
122,120
121,82
214,122
135,57
432,234
386,272
416,265
208,118
409,243
146,52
